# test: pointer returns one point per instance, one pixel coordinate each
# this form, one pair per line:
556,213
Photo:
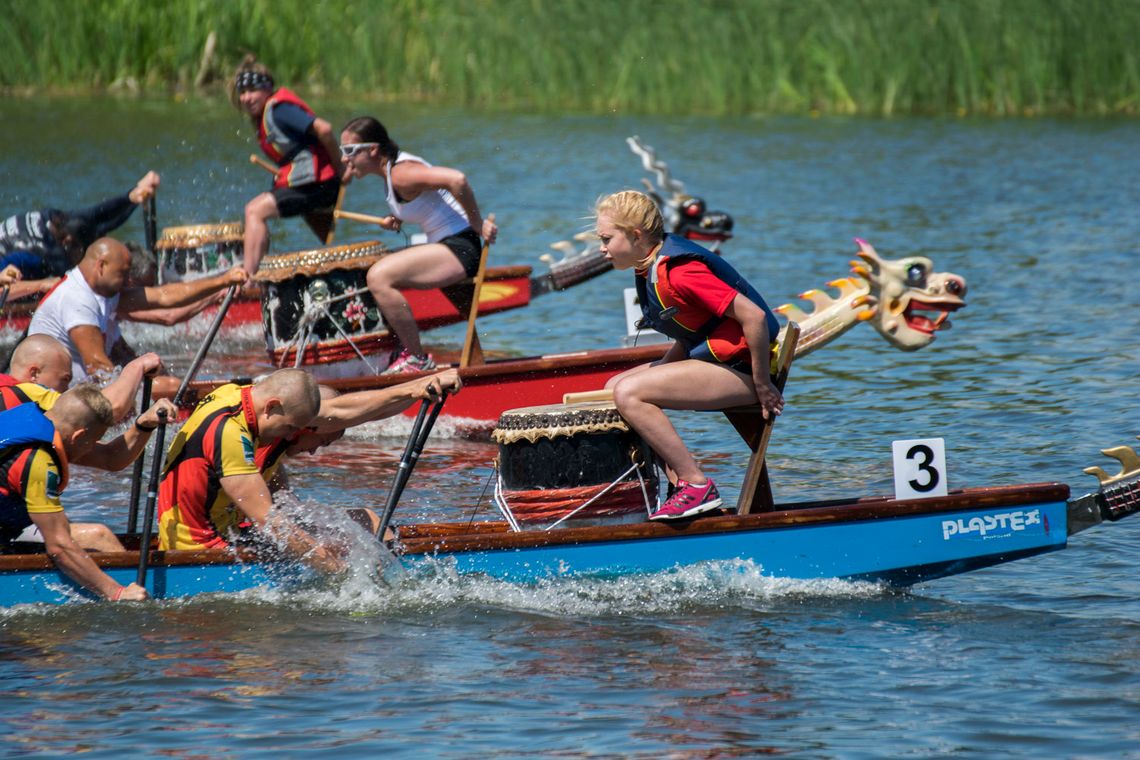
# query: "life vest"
194,511
11,395
23,430
301,162
658,305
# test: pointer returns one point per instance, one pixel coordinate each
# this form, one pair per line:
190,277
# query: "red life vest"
302,162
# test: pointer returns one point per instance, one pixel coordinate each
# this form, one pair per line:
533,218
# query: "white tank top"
436,212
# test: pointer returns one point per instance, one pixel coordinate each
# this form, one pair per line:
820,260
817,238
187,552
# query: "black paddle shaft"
189,378
151,498
420,432
149,225
137,473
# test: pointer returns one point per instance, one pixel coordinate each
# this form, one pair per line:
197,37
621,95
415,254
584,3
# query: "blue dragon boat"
894,542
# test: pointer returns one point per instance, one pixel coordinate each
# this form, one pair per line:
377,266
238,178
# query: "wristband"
144,429
118,594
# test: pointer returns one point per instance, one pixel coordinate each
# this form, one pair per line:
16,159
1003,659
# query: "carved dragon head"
904,299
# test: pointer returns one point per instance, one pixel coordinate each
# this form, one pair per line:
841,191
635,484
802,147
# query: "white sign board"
920,468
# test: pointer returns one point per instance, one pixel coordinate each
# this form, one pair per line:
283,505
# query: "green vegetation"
1002,57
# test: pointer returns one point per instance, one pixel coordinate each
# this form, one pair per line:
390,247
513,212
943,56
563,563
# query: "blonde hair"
297,390
630,210
85,406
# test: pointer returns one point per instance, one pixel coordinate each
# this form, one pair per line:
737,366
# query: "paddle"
415,445
149,224
4,295
259,161
472,351
136,475
151,498
156,464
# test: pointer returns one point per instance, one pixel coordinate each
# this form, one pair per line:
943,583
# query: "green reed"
1003,57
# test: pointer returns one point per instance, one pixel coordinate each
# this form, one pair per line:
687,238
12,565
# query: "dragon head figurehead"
905,299
913,301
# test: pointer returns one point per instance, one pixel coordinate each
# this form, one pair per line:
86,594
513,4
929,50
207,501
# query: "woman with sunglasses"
303,147
437,199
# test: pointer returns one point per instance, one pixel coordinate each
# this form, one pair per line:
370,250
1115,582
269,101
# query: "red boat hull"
492,388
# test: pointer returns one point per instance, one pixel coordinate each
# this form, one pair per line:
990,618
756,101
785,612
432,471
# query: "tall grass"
1004,57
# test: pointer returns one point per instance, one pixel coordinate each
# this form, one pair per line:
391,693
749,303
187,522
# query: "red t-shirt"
699,296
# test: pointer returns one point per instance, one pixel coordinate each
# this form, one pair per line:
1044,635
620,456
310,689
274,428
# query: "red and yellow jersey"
24,393
269,456
32,477
219,439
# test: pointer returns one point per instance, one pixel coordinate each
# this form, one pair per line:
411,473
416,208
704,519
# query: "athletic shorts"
468,248
294,201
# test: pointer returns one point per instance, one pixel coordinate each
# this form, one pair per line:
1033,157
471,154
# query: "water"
1032,659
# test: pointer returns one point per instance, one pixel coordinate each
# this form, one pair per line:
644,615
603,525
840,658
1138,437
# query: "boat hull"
898,543
501,384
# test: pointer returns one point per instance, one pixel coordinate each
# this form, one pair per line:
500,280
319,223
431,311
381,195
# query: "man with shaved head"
82,312
213,482
35,448
41,372
40,369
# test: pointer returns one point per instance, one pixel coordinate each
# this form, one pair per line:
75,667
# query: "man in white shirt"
82,312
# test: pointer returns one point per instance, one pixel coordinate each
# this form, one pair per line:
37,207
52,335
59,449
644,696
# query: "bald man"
35,447
40,370
83,311
213,483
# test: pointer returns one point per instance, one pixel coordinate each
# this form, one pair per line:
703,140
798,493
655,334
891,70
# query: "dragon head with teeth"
913,301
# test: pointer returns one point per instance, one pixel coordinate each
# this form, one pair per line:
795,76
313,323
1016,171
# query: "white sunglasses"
351,149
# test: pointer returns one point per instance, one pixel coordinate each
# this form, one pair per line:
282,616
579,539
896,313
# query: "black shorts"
294,201
468,248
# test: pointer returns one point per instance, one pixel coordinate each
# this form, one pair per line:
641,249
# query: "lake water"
1033,659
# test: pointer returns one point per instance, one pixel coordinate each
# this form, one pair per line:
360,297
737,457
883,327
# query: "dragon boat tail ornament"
1118,496
906,300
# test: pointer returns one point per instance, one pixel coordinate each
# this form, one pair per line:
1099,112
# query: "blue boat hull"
899,551
876,539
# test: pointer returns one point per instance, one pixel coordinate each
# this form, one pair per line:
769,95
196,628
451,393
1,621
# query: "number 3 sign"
920,468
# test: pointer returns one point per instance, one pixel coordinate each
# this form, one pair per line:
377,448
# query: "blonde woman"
724,332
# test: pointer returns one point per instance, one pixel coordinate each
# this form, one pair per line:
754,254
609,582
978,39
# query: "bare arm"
176,315
120,452
75,562
121,391
177,293
413,178
365,406
251,495
755,326
89,341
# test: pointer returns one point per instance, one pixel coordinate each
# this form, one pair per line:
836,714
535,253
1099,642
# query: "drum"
555,458
199,250
317,302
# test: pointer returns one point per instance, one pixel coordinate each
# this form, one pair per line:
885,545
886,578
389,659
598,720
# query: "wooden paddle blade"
472,351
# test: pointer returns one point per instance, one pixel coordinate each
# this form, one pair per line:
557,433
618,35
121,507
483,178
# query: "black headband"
253,80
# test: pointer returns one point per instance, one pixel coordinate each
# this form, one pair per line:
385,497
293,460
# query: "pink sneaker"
406,363
688,500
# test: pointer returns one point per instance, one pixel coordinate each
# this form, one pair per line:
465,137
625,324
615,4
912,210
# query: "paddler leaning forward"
35,448
219,462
